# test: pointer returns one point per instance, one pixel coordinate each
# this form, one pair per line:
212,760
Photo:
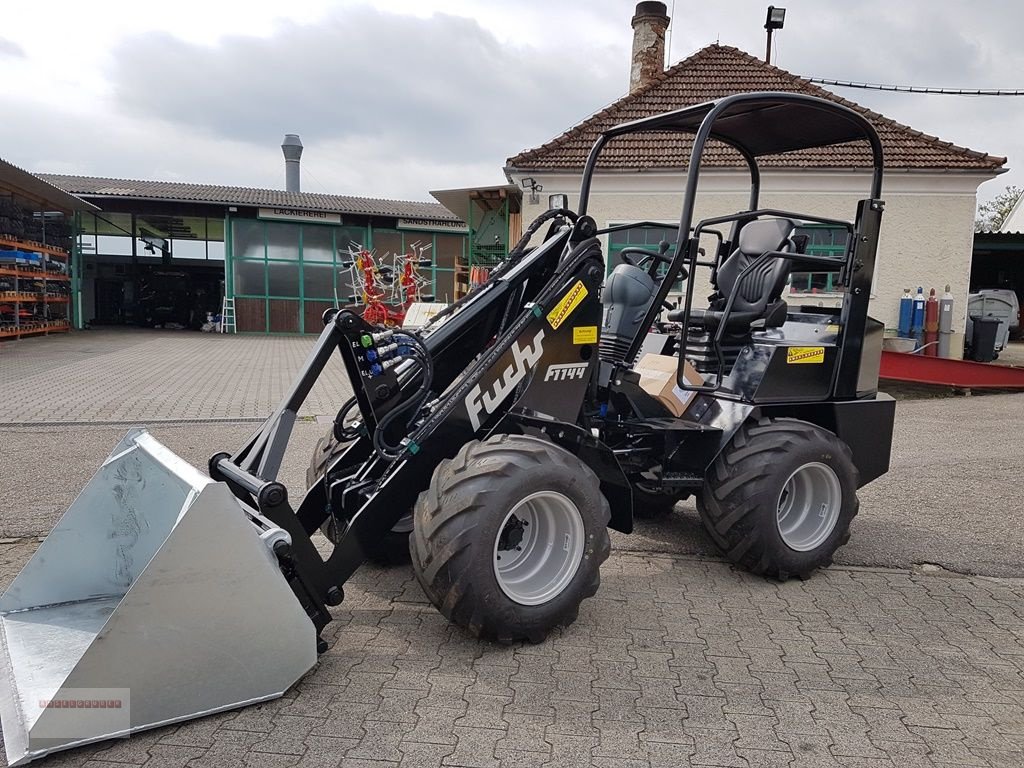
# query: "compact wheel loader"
496,446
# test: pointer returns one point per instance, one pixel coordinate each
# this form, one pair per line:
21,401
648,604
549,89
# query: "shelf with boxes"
35,289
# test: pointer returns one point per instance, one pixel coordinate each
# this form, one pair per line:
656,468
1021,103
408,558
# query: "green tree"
992,214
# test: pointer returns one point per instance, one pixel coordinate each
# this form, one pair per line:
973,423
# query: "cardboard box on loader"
658,379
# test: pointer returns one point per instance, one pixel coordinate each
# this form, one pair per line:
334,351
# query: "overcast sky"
394,99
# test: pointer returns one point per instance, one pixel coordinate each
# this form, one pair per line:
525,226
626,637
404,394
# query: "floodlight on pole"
775,19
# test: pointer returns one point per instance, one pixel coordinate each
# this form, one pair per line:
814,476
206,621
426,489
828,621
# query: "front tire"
510,536
780,498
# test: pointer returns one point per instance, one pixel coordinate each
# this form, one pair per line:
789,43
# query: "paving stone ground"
678,660
153,376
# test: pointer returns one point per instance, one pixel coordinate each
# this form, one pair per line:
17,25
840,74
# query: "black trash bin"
983,338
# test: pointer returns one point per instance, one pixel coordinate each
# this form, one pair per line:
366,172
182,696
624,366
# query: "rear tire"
510,536
780,498
393,549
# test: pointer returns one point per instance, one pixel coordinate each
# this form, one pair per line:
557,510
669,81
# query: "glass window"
282,279
113,224
347,294
249,278
447,251
348,238
444,286
823,240
247,242
387,244
87,244
283,243
188,227
110,245
318,281
87,224
215,229
317,244
215,250
648,238
188,249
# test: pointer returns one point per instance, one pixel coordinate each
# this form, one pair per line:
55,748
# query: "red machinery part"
918,369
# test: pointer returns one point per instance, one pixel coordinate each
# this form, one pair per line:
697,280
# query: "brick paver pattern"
677,661
153,376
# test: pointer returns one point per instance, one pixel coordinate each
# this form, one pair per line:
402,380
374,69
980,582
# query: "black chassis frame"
493,363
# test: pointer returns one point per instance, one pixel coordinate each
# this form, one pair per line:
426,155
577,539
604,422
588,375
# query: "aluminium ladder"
227,316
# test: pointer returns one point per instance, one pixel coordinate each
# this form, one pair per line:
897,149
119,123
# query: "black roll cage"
753,124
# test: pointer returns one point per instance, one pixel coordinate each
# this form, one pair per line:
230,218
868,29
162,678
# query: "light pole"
775,19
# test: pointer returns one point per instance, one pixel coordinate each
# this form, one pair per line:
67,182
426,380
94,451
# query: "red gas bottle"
931,325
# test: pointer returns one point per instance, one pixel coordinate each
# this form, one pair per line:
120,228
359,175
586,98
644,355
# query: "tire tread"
732,497
446,512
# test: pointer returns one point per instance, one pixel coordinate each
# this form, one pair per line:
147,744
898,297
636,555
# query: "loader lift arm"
362,490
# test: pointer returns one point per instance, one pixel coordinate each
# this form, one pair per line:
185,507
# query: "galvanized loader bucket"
155,599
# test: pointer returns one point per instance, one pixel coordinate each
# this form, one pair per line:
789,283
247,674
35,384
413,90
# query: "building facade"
167,253
930,186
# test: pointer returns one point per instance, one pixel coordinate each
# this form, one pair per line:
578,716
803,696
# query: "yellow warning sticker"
805,355
567,304
584,334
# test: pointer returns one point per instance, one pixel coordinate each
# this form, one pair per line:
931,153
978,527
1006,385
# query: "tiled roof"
99,187
712,73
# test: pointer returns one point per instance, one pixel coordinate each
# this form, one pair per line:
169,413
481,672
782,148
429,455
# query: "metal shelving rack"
47,318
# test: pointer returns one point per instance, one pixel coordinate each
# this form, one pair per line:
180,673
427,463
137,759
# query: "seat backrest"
763,285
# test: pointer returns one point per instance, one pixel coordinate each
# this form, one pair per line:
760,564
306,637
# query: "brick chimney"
649,24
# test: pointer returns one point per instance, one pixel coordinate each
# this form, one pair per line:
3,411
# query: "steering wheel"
656,258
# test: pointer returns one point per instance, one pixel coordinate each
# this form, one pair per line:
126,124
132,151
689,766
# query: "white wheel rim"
539,548
808,506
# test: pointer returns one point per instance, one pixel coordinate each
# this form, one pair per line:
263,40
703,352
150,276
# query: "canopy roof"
765,123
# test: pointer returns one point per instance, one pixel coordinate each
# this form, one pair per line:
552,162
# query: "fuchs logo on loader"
523,359
565,371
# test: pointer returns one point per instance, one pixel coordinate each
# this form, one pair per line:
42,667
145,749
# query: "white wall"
927,228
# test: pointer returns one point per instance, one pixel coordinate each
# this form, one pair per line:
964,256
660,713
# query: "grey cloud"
11,48
216,113
916,42
440,85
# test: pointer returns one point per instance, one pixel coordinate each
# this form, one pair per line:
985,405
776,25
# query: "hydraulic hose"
422,357
341,431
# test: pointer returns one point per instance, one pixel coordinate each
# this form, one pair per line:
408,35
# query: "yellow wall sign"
805,355
584,334
567,304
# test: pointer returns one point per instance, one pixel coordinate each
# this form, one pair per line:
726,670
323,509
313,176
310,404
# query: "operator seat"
758,295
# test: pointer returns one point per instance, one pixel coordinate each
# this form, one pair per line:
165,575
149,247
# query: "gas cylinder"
906,313
945,323
931,324
917,322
